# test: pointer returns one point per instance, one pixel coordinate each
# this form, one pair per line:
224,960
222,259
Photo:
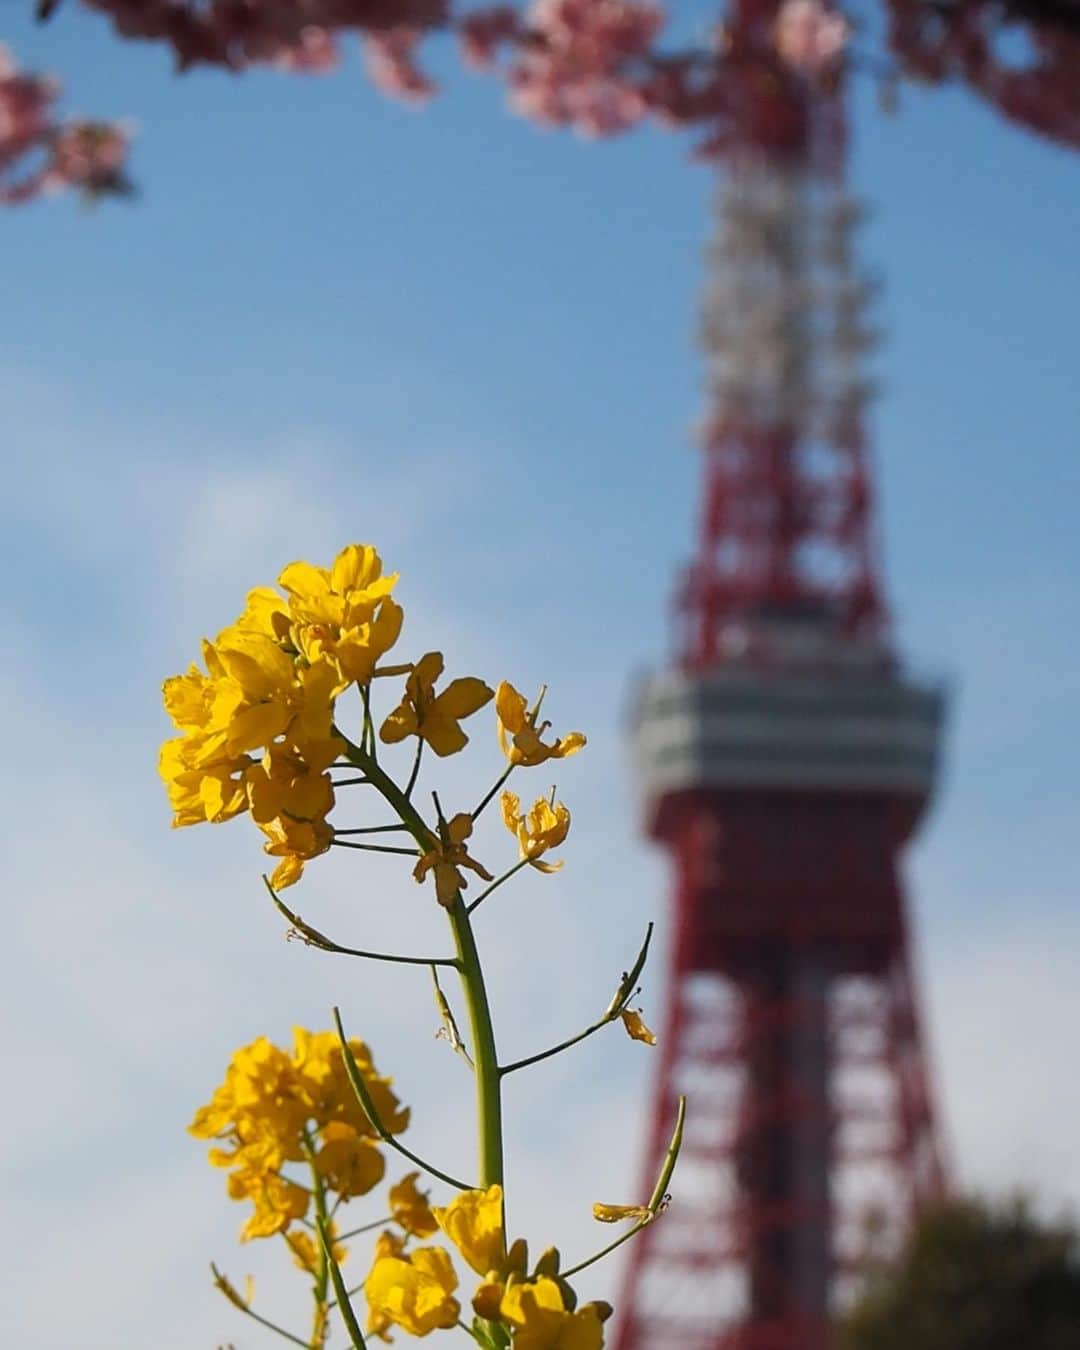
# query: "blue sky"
471,343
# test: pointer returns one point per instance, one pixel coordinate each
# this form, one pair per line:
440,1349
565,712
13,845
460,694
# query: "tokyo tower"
784,759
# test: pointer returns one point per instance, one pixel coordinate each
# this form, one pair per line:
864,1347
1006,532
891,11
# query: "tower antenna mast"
785,759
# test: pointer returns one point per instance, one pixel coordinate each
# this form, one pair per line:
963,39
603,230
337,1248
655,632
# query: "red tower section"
785,761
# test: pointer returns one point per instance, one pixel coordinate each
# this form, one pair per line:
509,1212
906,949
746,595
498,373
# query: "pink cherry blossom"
39,154
809,35
581,63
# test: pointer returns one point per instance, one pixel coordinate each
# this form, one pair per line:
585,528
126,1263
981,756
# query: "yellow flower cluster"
416,1290
275,1109
270,685
257,726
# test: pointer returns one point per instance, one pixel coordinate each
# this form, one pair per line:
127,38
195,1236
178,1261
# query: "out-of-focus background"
328,319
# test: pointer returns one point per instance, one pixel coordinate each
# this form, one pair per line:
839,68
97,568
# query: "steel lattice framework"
785,760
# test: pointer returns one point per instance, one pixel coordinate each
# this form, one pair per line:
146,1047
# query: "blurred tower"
785,759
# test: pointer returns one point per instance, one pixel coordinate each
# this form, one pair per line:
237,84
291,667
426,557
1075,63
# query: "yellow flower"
290,795
265,612
259,1110
269,1105
616,1213
414,1292
387,1244
294,842
545,826
435,718
487,1300
635,1027
447,857
343,614
348,1163
324,1083
203,781
473,1222
278,1201
519,735
410,1208
263,693
539,1319
291,780
273,677
188,699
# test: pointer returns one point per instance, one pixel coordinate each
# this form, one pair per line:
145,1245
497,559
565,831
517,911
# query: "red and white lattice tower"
784,761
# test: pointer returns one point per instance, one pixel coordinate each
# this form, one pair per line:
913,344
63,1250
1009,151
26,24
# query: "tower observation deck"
783,761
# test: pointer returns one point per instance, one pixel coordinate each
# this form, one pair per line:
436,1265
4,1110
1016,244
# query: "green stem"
366,1228
656,1200
498,784
314,938
488,1086
318,1326
485,1060
415,767
367,738
373,829
495,886
356,1079
373,848
623,994
557,1049
344,1303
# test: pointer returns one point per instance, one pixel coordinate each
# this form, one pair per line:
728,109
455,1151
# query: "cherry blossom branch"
40,154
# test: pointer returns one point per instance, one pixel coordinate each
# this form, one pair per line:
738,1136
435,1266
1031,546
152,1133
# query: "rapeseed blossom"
520,737
415,1291
435,718
446,856
537,1315
257,727
274,1109
473,1222
544,826
410,1209
303,1131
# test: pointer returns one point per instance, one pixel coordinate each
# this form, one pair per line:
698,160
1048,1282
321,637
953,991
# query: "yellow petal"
511,811
442,733
615,1213
459,827
487,1299
399,724
547,867
257,726
635,1027
427,670
301,578
510,706
288,871
355,567
473,1222
463,697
